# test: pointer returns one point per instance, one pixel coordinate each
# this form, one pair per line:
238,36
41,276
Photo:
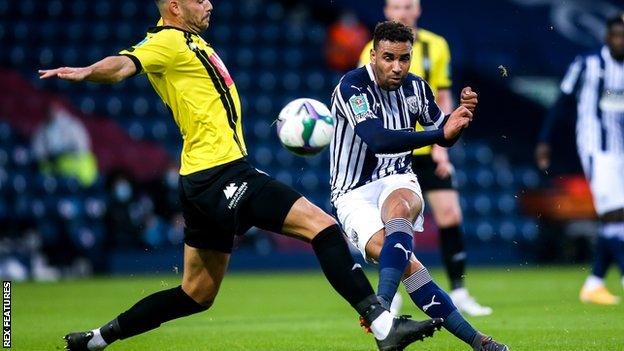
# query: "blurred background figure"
62,146
594,84
431,60
345,40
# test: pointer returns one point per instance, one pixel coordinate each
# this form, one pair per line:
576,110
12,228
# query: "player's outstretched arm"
112,69
388,141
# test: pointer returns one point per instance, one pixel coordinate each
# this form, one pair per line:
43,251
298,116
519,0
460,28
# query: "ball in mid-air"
305,126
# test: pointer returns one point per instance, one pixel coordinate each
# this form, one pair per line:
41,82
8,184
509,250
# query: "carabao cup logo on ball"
305,126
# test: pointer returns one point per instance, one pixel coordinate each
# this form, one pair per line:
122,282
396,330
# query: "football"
305,126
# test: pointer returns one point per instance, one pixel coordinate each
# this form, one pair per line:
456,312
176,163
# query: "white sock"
97,342
397,303
592,282
381,325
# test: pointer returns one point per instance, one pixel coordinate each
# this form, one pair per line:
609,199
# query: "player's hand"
459,119
444,168
73,74
542,156
469,99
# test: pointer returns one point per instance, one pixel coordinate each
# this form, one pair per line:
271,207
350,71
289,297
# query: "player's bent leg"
444,204
307,222
203,272
398,213
432,300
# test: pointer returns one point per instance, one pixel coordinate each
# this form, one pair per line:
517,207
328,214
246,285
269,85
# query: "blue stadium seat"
267,82
95,208
530,230
291,81
263,156
484,178
482,205
285,158
275,11
285,177
507,204
484,155
508,230
45,185
79,8
6,135
484,230
128,9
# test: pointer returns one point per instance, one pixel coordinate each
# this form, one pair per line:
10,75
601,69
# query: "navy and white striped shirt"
358,98
597,82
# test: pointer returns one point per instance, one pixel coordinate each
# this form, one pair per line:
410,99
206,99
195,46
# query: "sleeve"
389,141
430,116
441,70
356,103
571,81
365,55
154,54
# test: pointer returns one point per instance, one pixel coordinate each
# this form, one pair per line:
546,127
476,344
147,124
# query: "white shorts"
605,173
359,210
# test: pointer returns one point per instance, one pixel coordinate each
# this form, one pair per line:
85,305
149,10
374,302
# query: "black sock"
150,313
347,278
453,255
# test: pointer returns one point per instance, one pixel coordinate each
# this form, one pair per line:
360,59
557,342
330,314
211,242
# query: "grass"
534,309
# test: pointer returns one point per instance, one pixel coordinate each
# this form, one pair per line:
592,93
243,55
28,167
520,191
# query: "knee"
401,203
401,208
318,220
413,267
449,216
202,293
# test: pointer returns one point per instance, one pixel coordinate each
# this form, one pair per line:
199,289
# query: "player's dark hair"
615,20
395,32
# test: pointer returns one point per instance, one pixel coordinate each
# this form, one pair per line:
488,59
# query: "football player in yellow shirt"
431,60
221,194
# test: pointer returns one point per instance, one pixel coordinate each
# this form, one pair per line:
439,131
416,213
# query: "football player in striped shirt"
431,60
594,84
375,194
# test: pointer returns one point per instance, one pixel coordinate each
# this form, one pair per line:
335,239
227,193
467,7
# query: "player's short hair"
395,32
617,19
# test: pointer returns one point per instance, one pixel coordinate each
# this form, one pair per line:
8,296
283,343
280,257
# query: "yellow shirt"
431,60
194,83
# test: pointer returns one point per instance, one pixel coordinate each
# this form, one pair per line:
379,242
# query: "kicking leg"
432,300
398,213
309,223
203,273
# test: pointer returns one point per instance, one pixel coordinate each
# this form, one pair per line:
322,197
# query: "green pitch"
534,309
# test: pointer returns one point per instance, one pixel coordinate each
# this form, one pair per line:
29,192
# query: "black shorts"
225,201
424,167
